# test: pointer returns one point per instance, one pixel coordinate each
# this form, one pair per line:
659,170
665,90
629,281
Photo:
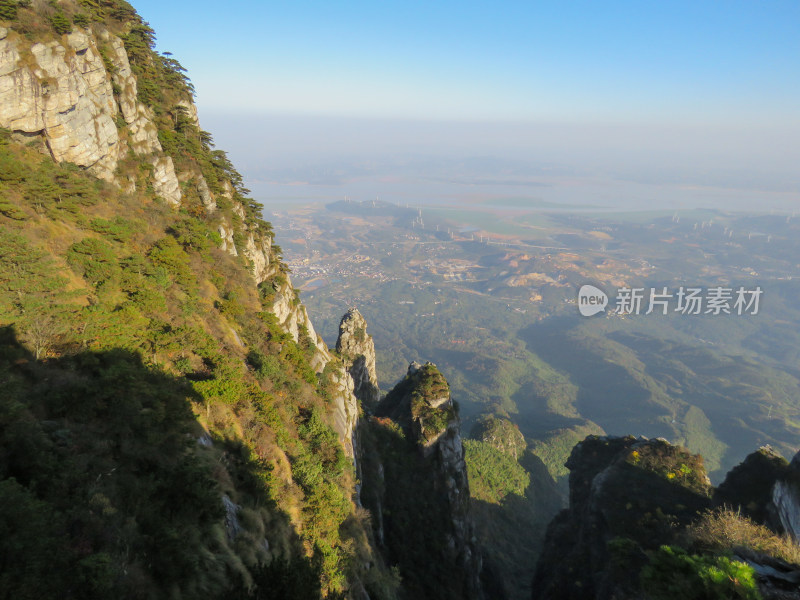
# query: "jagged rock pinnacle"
357,350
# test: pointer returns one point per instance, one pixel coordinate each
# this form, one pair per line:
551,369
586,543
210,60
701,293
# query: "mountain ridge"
171,409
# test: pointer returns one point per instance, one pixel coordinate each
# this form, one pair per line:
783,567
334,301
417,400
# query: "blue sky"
660,93
642,61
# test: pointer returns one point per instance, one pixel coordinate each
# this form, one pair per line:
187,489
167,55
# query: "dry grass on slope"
725,529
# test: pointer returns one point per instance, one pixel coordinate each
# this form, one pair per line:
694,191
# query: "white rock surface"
226,233
345,413
165,182
357,351
786,498
63,91
205,194
257,250
143,136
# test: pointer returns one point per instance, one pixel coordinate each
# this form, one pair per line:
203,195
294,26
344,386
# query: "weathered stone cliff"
786,499
644,522
62,92
357,351
79,96
635,490
416,486
750,485
765,488
293,318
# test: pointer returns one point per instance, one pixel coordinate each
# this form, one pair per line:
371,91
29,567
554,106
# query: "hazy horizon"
285,157
676,104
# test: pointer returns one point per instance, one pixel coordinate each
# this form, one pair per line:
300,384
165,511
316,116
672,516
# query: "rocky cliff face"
62,92
786,499
765,488
357,351
345,411
637,490
415,485
644,522
258,250
78,94
293,318
751,484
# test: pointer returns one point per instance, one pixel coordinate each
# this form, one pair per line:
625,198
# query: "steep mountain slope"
172,424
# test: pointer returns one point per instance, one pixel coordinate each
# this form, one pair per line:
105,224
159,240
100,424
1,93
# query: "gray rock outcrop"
62,91
226,233
293,318
258,251
786,499
615,486
357,351
751,487
421,474
345,412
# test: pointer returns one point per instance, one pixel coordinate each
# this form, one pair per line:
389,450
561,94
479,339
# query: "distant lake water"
543,194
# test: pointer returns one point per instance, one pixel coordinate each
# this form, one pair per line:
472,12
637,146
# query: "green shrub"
674,573
79,519
12,212
230,305
432,421
672,463
267,290
81,20
227,386
61,23
11,169
31,292
119,229
500,433
56,189
268,367
183,365
28,536
323,442
282,578
94,259
8,10
167,253
493,474
295,356
148,300
193,234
